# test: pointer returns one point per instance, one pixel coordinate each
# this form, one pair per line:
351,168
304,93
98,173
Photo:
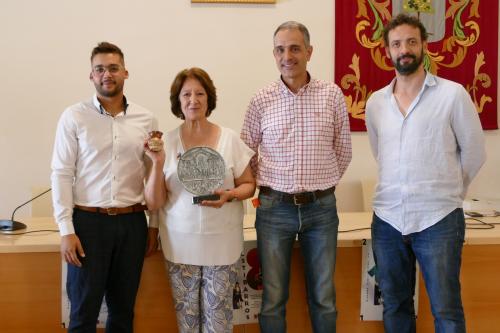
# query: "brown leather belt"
114,210
297,198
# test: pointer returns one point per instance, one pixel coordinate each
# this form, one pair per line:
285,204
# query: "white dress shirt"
426,159
98,160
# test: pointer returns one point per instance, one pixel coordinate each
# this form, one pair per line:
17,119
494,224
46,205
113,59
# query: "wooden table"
30,277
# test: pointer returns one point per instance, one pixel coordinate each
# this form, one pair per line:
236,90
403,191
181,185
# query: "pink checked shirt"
302,141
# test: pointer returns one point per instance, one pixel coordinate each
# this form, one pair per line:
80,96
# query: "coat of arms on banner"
462,46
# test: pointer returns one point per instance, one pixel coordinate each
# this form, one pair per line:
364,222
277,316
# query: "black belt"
297,198
114,210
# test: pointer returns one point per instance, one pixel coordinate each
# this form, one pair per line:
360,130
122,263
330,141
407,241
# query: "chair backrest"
368,189
42,206
349,196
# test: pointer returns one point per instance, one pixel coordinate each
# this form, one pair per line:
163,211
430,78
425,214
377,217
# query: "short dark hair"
404,19
290,25
201,76
106,47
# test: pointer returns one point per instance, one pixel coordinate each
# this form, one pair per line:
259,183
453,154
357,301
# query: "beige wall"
44,63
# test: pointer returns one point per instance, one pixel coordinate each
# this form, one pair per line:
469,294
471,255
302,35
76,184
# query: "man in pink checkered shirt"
299,128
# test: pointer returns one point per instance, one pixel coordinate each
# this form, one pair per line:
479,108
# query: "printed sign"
247,293
371,297
65,305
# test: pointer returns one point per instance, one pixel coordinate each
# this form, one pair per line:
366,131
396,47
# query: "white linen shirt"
98,160
427,159
197,235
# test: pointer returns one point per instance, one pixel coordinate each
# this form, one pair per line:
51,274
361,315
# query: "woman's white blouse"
196,235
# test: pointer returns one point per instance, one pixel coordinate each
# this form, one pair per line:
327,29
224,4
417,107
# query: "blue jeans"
438,250
316,224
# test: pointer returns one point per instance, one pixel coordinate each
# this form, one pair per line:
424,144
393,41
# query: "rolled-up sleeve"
251,132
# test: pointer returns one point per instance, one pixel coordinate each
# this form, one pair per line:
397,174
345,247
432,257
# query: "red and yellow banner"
462,46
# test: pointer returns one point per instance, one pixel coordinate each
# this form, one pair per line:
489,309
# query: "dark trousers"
114,249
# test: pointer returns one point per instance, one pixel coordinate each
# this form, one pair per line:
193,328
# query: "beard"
107,92
411,67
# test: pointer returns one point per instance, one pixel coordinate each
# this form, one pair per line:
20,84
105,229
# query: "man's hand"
71,248
152,242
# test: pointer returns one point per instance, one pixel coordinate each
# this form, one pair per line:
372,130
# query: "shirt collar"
101,109
284,88
429,81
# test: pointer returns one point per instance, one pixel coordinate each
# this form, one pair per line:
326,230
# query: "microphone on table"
9,226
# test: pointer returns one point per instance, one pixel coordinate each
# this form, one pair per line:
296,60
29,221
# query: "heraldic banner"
462,46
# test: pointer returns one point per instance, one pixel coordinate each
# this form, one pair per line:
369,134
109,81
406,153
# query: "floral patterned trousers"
203,297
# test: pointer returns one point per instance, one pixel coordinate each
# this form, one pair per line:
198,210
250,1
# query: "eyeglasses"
112,69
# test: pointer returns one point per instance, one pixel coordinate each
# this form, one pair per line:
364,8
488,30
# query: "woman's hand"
155,192
244,189
157,157
225,196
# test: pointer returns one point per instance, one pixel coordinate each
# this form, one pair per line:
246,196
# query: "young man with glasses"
98,171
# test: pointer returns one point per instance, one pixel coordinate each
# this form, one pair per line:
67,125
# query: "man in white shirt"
426,136
98,171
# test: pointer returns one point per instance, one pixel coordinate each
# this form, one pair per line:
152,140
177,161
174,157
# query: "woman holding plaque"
198,182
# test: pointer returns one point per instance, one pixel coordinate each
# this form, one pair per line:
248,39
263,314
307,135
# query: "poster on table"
371,298
247,292
65,305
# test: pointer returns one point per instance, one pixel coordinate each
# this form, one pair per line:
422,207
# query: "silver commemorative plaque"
201,170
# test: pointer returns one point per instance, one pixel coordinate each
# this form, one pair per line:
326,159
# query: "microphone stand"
9,226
